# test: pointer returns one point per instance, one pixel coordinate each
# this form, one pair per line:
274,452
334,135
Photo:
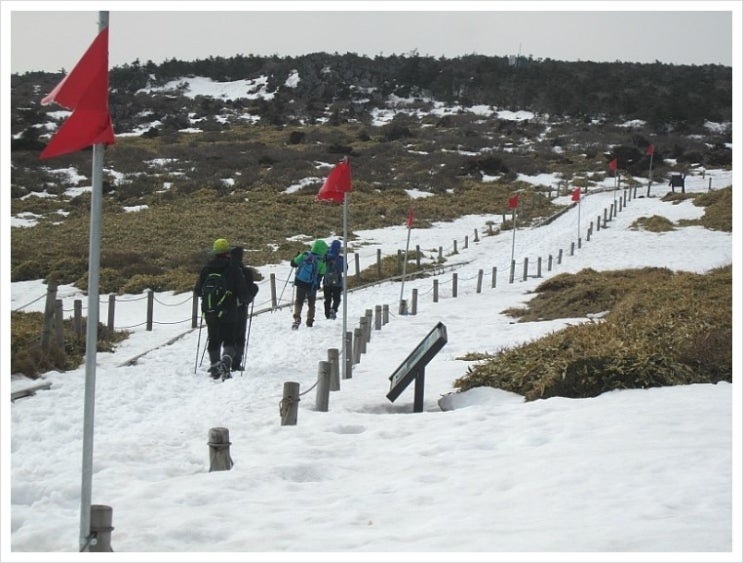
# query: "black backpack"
215,294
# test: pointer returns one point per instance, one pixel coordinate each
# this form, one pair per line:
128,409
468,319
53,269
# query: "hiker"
334,279
236,254
310,266
220,285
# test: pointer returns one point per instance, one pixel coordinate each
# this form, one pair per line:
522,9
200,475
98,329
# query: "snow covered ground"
636,474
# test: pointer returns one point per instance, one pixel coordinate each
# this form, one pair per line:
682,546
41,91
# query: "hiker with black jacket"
221,284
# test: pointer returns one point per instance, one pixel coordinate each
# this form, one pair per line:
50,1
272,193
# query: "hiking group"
318,266
227,287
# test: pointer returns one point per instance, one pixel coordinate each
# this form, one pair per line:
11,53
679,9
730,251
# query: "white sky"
625,476
41,37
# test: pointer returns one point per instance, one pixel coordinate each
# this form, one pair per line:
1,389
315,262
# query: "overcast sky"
670,32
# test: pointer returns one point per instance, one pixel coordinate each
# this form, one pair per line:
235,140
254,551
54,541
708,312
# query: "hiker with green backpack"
310,266
221,285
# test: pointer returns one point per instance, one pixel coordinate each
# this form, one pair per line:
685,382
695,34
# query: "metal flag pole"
344,369
91,335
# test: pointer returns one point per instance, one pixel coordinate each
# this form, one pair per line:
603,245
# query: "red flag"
575,194
84,91
513,202
336,184
651,150
613,165
410,218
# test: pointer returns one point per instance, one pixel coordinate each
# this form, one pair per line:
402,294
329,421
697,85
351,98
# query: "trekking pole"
198,343
206,347
285,284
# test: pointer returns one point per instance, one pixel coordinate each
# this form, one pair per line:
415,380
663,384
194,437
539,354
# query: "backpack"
214,294
307,270
333,275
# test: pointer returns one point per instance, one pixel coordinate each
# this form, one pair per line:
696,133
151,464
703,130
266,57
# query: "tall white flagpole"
344,355
91,335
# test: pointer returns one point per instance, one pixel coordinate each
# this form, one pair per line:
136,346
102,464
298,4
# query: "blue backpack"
307,270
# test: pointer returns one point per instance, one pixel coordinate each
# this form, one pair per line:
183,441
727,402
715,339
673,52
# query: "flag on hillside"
410,218
613,165
84,91
513,202
337,184
650,151
575,194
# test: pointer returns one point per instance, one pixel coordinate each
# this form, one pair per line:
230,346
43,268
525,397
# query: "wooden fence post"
369,320
289,404
59,323
494,277
455,246
48,326
78,319
101,517
559,256
111,311
379,263
414,302
356,345
150,304
386,312
477,239
272,283
466,241
377,317
539,267
526,268
363,326
195,311
454,278
435,291
348,370
572,248
219,449
322,396
418,255
335,380
357,262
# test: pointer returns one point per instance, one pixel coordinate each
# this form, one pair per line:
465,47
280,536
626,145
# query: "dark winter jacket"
236,254
236,284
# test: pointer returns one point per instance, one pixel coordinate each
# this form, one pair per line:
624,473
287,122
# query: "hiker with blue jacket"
332,283
310,266
221,284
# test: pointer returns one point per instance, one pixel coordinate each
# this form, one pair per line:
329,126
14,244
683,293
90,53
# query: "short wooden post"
363,327
549,263
219,449
418,255
101,518
435,291
322,396
559,256
479,281
572,248
335,379
477,239
379,263
195,311
400,259
150,305
403,307
348,371
598,223
539,267
386,313
414,302
605,217
454,278
369,322
377,317
48,326
78,318
455,246
272,282
441,253
59,323
289,405
494,277
357,345
466,241
111,311
512,275
526,268
357,262
579,242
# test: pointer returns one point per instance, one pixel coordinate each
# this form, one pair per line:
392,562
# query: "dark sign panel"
414,365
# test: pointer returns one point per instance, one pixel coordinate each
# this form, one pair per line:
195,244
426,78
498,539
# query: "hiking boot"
333,314
310,323
295,324
215,370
